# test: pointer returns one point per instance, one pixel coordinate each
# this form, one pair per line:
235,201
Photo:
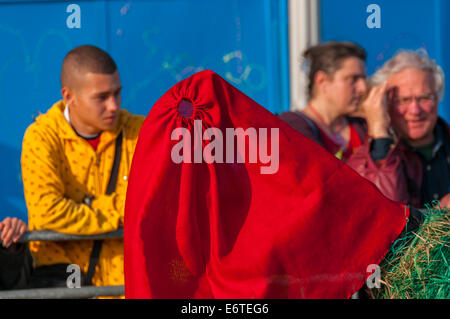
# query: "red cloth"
94,141
355,141
221,230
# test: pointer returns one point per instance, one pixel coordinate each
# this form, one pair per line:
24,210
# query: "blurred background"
254,44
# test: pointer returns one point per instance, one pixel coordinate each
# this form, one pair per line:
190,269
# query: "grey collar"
67,116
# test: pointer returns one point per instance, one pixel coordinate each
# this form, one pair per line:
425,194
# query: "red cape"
224,230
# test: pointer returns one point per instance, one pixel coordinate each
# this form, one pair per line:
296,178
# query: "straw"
417,265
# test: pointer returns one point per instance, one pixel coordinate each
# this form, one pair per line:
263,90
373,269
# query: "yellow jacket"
59,169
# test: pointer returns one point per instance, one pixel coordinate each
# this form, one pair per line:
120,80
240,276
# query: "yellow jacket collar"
65,130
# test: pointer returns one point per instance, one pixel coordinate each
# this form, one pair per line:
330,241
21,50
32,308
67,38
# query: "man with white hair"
407,154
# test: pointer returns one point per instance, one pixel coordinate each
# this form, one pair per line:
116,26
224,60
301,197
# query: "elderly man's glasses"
425,101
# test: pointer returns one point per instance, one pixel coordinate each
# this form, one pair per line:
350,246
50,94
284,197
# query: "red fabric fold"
225,230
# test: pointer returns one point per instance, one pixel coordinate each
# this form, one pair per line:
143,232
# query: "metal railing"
49,235
65,293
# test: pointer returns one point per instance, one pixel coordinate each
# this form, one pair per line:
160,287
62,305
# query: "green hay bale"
417,265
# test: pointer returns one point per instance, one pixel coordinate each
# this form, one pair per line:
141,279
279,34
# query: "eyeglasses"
425,101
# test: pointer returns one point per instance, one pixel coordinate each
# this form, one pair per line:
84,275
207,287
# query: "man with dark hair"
336,73
75,163
85,58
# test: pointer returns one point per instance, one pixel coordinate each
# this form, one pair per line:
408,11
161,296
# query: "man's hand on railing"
11,229
16,232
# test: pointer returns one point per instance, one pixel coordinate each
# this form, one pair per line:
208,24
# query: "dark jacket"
400,176
304,125
15,267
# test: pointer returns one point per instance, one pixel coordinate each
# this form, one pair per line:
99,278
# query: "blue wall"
155,44
408,24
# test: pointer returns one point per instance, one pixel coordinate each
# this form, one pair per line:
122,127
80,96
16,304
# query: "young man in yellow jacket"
67,162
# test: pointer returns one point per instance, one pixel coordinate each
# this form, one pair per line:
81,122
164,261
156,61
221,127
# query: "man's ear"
68,95
320,80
